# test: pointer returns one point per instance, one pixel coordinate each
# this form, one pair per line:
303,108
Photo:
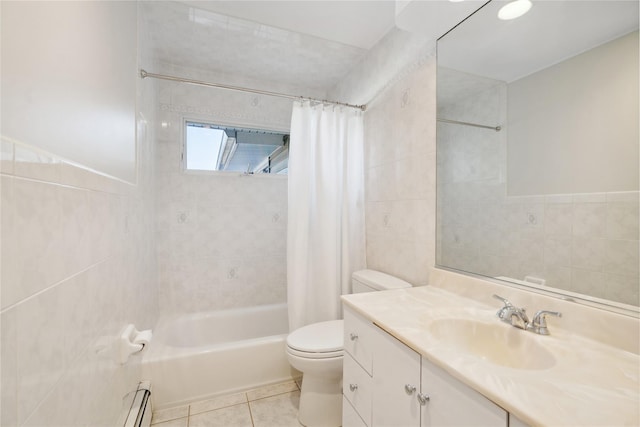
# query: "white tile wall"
77,265
400,177
397,82
221,238
586,243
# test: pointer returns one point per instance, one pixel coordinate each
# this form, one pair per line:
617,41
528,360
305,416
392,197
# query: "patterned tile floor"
270,406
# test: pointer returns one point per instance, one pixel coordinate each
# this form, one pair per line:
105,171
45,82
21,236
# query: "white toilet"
316,350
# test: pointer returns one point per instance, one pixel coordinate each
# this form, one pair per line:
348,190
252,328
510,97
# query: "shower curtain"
325,228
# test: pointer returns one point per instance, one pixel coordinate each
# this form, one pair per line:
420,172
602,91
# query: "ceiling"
313,44
358,23
550,32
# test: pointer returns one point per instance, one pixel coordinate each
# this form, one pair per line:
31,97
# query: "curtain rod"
455,122
144,74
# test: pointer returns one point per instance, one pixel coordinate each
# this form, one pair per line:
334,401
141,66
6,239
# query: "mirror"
537,145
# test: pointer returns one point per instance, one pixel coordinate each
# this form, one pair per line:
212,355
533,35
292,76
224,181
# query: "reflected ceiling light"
455,1
514,10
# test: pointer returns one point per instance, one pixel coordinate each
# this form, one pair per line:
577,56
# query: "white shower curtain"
325,229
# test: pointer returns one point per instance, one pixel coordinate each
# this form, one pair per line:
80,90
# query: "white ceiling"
550,32
314,43
358,23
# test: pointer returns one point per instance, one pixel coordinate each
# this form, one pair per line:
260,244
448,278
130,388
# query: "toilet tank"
371,280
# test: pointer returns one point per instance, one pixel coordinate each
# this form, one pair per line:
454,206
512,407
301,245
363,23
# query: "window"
210,147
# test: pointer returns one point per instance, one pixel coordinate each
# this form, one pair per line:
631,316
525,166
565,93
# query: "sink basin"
496,343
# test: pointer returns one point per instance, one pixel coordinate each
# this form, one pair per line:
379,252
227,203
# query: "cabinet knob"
423,399
409,388
353,387
353,336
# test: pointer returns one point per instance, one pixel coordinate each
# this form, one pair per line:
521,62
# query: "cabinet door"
452,403
350,417
396,372
515,422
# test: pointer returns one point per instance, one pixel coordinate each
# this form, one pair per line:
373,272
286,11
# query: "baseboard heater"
137,407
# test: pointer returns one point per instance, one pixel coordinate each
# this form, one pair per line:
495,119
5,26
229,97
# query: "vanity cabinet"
386,390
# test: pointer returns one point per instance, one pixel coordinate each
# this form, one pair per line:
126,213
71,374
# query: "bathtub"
197,356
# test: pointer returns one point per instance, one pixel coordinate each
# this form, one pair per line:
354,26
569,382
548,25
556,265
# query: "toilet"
317,350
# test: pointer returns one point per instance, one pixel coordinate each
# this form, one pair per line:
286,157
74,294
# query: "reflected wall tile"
621,257
558,276
557,252
558,219
623,288
622,220
588,253
589,282
589,219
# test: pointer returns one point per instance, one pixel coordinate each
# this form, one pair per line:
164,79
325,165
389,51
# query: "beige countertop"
587,382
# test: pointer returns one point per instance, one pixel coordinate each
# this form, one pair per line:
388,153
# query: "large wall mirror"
538,149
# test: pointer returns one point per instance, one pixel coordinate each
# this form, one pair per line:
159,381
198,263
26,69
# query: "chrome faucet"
539,323
511,314
518,317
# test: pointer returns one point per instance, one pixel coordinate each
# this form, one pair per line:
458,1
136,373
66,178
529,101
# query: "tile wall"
400,163
584,243
400,153
77,266
221,237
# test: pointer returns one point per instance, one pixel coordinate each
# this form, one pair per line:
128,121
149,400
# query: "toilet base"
320,401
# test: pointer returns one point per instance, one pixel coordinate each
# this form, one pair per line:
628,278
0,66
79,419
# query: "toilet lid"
318,337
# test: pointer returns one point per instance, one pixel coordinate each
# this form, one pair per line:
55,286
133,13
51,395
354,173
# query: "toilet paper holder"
132,341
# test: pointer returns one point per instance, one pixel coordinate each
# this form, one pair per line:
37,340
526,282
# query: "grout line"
274,395
250,412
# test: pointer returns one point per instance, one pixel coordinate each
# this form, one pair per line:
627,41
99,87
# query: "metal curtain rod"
496,128
144,74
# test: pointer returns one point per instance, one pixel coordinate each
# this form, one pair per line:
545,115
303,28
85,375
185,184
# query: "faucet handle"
504,313
539,322
505,301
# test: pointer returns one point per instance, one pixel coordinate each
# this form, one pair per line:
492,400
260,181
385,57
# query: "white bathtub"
197,356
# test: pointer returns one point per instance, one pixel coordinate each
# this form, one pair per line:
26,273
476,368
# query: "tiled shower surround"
221,236
584,243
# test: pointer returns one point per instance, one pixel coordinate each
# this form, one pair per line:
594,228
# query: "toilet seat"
317,341
308,355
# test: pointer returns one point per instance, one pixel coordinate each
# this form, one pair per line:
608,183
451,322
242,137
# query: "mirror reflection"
538,147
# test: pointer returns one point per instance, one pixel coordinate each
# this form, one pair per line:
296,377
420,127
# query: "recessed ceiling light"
514,10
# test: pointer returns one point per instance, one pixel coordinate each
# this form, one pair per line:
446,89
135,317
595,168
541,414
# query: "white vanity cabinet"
396,383
386,390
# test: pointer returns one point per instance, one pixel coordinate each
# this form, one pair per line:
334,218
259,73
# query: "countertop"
590,383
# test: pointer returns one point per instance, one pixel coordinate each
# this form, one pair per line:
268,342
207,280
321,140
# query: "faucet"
539,323
518,317
511,314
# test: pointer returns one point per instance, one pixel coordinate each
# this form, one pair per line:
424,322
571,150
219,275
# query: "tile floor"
270,406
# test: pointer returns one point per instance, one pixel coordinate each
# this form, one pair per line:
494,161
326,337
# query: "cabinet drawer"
358,334
357,388
350,417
